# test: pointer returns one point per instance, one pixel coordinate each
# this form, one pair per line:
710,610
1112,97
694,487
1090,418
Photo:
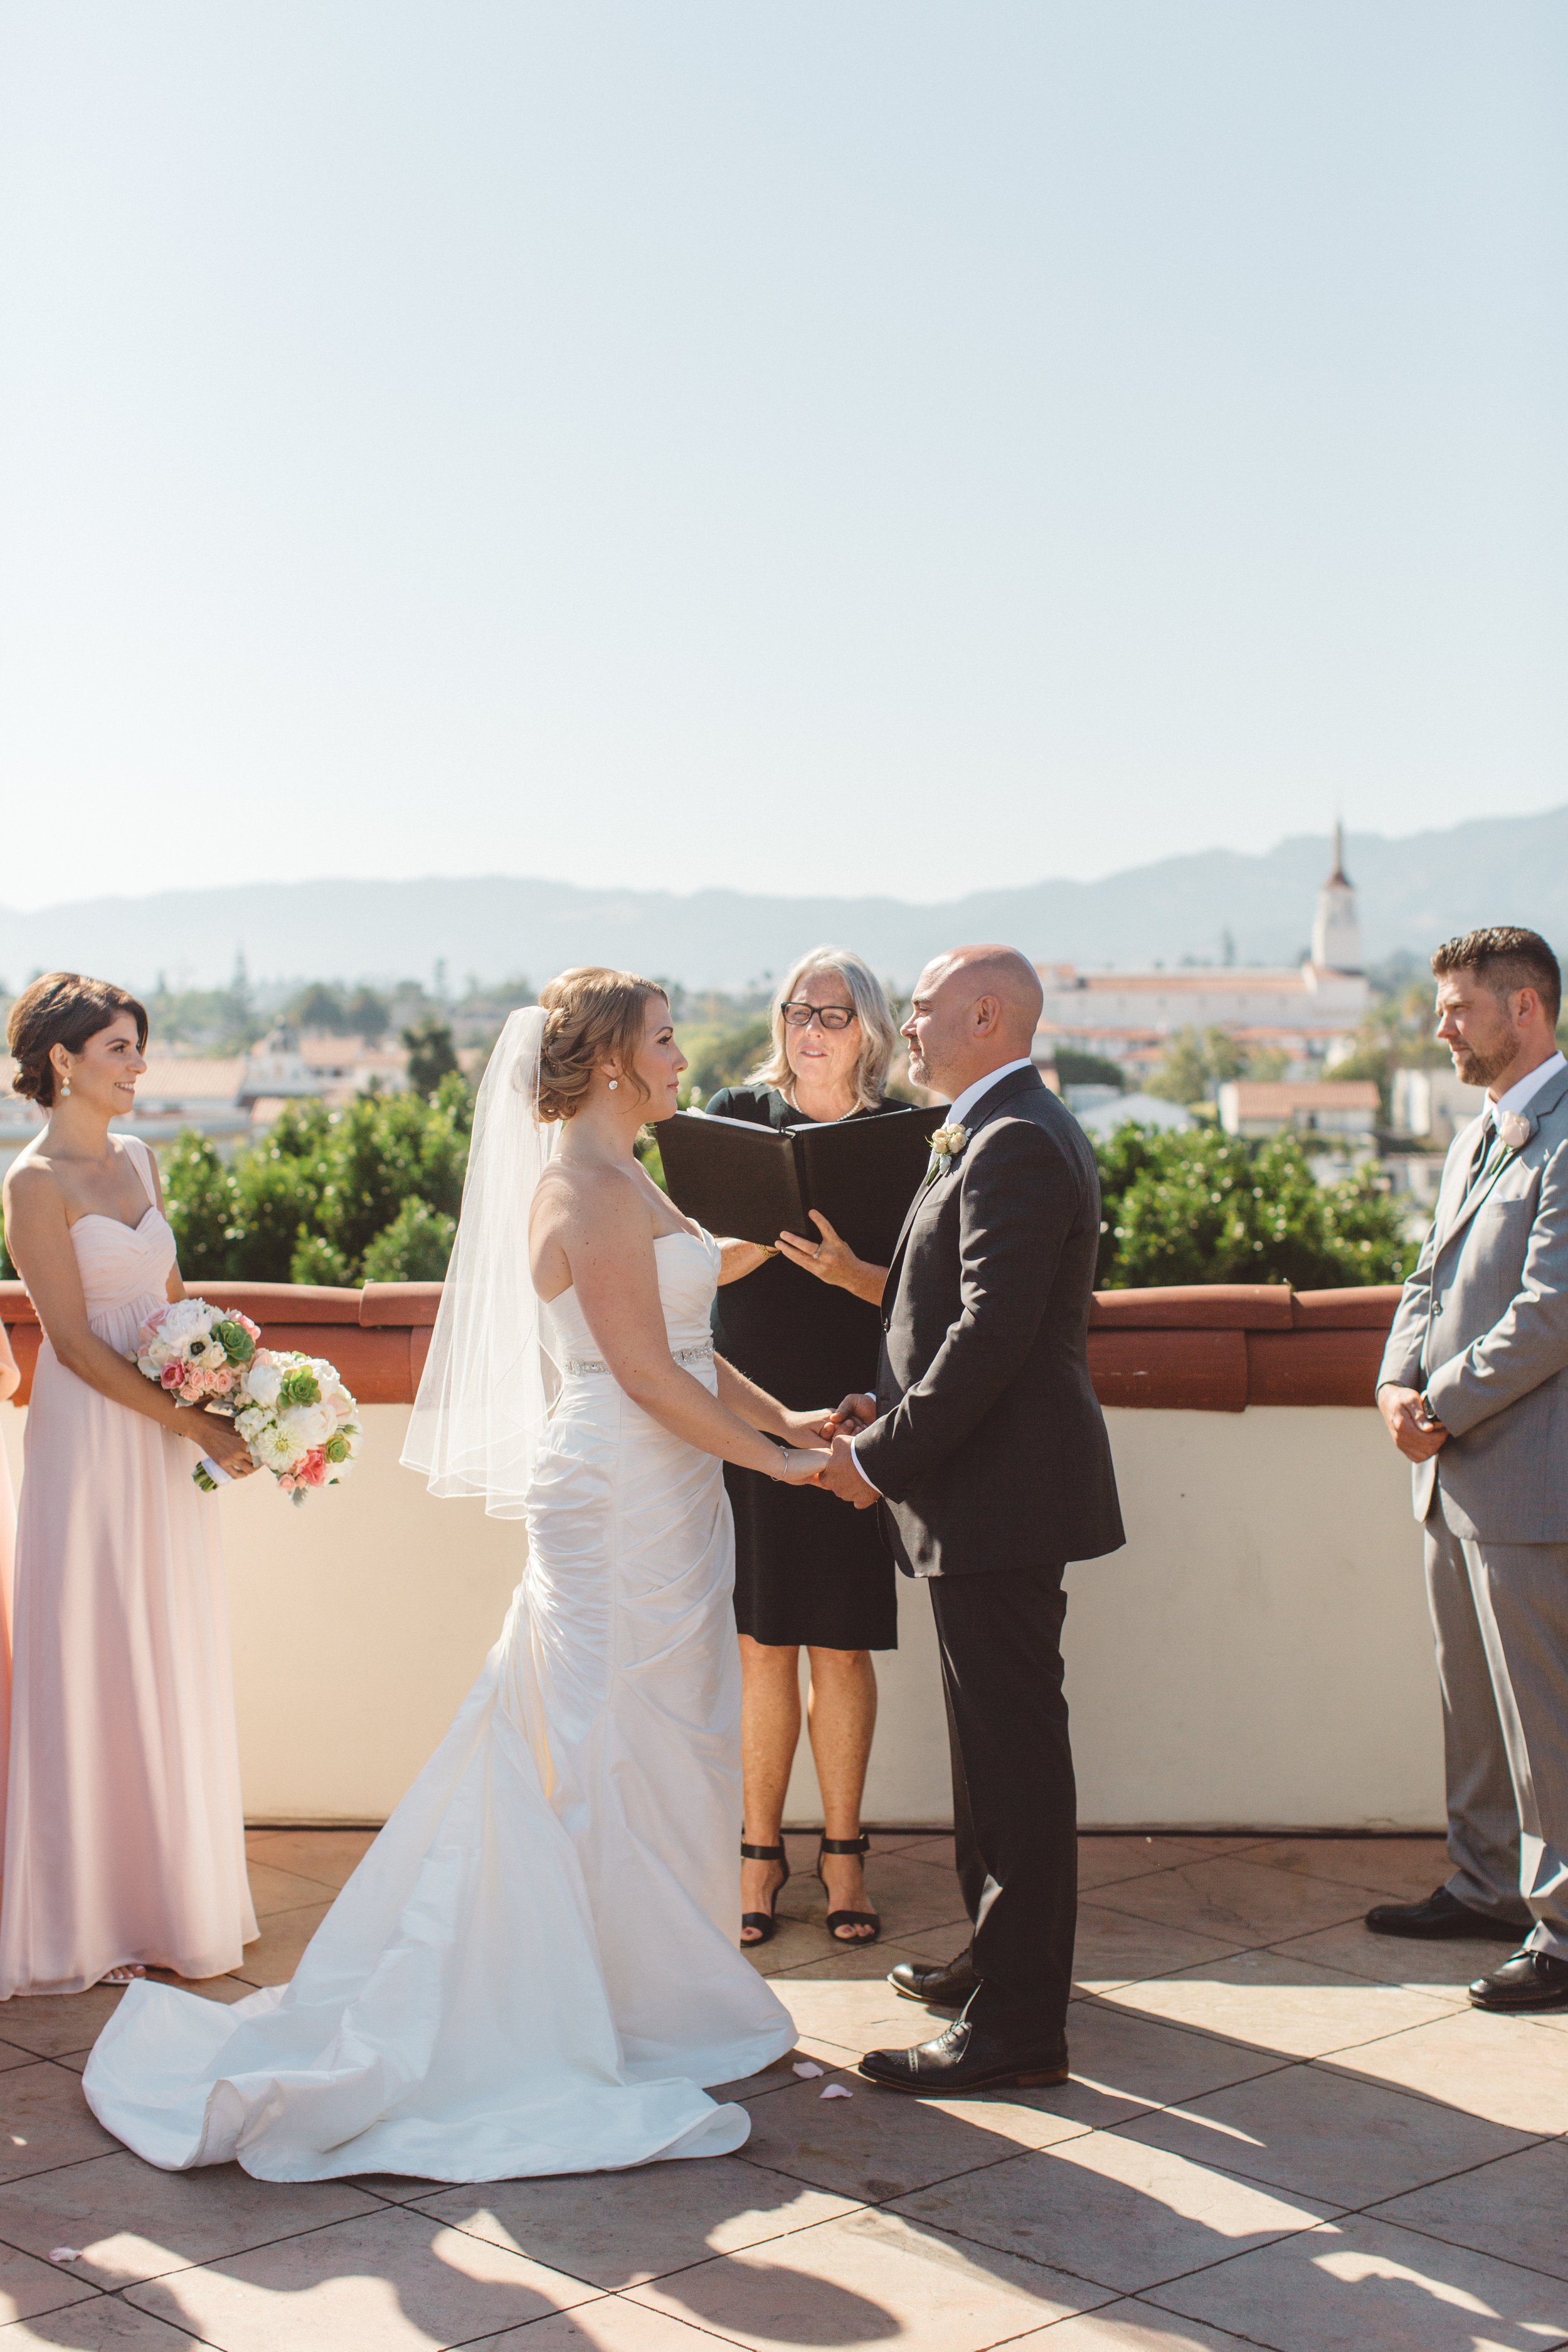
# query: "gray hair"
879,1035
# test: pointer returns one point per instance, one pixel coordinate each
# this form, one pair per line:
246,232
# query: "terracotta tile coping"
1218,1348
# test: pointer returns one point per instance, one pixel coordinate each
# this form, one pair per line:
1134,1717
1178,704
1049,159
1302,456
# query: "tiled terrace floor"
1281,2131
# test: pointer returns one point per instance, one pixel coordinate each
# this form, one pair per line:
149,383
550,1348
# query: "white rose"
250,1423
262,1383
309,1424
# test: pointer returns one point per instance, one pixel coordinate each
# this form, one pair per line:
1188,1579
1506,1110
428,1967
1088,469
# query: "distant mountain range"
1413,892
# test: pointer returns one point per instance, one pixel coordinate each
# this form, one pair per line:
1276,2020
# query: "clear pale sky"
851,445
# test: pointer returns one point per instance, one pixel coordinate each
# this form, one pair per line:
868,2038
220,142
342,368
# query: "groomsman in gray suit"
1474,1388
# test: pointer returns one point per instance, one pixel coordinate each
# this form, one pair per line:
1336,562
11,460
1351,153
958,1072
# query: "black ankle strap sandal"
763,1922
837,1919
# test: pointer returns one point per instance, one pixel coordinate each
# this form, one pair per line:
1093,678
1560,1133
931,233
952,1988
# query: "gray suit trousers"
1500,1614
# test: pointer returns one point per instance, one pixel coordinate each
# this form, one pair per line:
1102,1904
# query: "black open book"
755,1183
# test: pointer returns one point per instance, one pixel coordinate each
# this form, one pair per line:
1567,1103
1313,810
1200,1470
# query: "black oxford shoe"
941,1984
1440,1916
965,2058
1530,1980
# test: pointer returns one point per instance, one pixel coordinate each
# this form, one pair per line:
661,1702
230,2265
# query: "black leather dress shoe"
965,2058
1530,1980
941,1984
1442,1915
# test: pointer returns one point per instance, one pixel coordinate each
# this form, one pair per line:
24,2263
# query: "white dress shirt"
963,1105
1528,1087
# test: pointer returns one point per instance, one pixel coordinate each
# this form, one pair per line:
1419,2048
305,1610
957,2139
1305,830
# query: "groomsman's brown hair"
63,1008
1504,957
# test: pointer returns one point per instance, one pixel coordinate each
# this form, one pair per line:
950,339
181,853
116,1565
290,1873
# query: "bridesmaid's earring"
65,1087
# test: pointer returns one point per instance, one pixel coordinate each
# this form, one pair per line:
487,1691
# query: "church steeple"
1336,932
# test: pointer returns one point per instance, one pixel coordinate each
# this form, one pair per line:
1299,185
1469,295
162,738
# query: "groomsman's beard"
1473,1067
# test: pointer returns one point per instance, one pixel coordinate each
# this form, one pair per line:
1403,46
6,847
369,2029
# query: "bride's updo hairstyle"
62,1009
595,1015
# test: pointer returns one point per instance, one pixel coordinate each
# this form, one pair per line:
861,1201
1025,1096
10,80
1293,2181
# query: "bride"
534,1970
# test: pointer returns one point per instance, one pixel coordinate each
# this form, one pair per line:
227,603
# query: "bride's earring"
614,1084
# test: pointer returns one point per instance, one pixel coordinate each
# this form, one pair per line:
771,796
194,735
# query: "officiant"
803,1320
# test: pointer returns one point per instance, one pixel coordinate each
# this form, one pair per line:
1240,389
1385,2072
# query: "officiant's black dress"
807,1567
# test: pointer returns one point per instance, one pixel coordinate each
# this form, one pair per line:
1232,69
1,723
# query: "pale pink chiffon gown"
124,1839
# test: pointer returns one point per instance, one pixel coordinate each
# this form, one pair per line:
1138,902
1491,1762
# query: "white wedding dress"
534,1970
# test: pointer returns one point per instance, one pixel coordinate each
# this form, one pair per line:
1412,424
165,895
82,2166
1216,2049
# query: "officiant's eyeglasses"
798,1015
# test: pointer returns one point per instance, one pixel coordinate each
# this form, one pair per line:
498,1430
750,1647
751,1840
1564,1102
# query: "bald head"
974,1009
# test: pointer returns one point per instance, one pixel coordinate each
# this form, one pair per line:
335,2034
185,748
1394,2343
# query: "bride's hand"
802,1464
813,1428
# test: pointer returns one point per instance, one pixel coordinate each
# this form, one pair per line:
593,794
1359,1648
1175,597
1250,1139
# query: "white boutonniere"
946,1144
1513,1129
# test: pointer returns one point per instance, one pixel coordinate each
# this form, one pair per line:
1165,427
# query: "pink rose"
171,1376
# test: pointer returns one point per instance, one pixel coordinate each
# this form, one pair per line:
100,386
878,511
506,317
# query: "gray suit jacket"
1483,1328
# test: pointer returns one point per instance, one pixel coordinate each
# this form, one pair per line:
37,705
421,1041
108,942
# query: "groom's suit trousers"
1014,1801
1500,1614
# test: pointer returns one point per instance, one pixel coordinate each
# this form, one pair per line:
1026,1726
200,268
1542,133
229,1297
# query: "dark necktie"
1483,1155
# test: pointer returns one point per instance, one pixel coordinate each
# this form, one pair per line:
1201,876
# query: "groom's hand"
842,1477
857,1412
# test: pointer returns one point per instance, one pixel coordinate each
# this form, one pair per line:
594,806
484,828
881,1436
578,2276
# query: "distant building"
1336,929
1101,1119
1299,1010
1433,1103
1346,1108
285,1067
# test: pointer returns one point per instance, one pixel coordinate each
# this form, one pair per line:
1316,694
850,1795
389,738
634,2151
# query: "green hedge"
1205,1206
368,1193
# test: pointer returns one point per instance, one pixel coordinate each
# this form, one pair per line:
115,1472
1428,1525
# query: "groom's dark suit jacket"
991,1451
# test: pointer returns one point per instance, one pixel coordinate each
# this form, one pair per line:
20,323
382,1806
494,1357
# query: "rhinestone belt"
574,1366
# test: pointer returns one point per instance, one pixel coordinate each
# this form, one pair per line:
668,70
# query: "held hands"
857,1412
1412,1428
820,1454
842,1477
802,1465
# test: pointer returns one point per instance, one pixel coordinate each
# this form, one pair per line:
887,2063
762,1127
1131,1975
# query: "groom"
985,1449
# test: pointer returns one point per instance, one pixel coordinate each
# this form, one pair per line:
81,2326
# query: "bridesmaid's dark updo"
595,1014
62,1009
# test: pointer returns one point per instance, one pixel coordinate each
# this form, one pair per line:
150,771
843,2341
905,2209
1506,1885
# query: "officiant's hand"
831,1259
842,1477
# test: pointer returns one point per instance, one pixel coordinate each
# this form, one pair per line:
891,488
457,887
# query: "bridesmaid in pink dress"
10,1381
124,1839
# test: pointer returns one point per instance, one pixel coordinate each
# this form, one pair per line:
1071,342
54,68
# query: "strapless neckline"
680,1235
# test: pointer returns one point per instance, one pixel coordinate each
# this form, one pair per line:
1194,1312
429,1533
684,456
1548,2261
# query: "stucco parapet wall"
1215,1349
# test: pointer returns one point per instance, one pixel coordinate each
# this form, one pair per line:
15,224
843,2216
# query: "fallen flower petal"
836,2091
806,2068
64,2254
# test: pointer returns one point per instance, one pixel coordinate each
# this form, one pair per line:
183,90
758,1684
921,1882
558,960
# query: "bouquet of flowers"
195,1350
297,1421
297,1418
